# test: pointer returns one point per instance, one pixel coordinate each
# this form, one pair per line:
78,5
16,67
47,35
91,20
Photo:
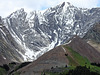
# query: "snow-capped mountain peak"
38,32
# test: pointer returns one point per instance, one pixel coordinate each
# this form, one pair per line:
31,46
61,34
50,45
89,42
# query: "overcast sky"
9,6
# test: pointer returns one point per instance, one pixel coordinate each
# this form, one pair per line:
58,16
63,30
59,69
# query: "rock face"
38,32
93,36
8,47
94,33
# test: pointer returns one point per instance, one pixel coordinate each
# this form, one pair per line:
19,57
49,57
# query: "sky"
9,6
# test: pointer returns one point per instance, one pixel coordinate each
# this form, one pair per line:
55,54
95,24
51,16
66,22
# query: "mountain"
3,61
8,46
76,53
54,58
93,36
32,35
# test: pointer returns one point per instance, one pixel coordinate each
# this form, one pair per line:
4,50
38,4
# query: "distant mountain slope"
93,36
93,33
8,46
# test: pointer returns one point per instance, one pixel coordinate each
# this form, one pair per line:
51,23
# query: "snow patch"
69,42
4,58
64,49
2,31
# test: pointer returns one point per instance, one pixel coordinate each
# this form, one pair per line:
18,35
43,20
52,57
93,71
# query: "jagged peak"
66,4
20,10
63,4
1,21
17,12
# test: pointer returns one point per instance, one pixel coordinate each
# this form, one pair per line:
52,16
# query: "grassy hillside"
75,58
82,61
75,62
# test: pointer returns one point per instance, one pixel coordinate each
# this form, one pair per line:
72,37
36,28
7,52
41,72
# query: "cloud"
85,3
9,6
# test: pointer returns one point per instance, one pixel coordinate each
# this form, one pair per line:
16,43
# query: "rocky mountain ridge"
38,32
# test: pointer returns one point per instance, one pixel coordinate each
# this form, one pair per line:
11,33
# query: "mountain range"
31,35
55,37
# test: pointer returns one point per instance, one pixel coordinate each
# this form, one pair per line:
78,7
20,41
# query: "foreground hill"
76,53
54,58
85,49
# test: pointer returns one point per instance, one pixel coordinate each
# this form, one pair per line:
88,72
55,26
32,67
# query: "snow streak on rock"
38,32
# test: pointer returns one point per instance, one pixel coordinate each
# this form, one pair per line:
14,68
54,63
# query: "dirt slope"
85,49
55,57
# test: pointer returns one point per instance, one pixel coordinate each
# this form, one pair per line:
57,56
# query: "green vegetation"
95,69
82,61
22,65
76,59
16,73
2,71
78,65
81,70
12,67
